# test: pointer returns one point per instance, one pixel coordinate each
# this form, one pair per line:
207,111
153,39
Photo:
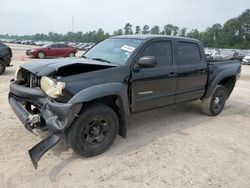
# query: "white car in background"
246,60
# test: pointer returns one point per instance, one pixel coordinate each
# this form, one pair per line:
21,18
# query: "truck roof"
149,36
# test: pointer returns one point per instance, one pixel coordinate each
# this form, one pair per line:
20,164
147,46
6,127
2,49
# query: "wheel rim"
218,102
96,131
41,55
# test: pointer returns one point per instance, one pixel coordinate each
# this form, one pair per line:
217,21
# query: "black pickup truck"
89,99
5,57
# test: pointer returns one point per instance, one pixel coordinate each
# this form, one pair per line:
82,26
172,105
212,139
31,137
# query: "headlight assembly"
51,87
18,74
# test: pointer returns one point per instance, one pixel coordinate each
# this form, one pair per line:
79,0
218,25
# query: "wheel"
41,55
94,131
71,54
215,103
2,67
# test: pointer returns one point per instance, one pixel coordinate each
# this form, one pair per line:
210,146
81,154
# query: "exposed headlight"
51,87
18,74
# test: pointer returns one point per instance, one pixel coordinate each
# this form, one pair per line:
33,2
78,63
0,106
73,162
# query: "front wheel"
215,103
41,55
94,131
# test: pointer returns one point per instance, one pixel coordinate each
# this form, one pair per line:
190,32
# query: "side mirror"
146,62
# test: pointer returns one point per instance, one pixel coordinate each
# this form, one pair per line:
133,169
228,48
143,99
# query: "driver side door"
155,87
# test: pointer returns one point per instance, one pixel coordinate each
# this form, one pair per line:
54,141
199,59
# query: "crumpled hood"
51,66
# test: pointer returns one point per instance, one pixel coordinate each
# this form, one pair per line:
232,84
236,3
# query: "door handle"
172,74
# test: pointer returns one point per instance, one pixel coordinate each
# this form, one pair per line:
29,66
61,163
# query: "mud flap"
42,147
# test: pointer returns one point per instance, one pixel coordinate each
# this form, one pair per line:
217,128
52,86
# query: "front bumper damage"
53,116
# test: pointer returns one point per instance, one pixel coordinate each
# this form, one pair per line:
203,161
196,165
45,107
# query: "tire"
2,67
41,55
94,131
71,54
213,105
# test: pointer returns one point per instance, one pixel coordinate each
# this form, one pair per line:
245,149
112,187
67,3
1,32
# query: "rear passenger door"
155,87
53,50
192,71
64,49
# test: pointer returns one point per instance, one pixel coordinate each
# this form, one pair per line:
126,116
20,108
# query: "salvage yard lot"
176,146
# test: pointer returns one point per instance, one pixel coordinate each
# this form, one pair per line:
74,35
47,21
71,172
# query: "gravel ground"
175,146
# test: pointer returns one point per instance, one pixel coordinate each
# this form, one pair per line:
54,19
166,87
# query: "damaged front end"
36,110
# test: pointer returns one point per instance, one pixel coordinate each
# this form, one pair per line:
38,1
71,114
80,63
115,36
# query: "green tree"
145,29
168,29
137,30
100,35
182,32
235,33
128,29
155,30
118,32
213,36
175,30
195,34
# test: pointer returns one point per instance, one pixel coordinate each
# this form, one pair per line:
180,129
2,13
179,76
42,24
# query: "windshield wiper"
102,60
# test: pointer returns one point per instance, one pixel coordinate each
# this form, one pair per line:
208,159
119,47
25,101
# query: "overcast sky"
41,16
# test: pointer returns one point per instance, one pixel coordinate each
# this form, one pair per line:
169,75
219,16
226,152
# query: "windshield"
113,50
46,45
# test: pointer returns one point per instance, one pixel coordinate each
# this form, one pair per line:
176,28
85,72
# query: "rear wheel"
215,103
2,67
94,131
41,55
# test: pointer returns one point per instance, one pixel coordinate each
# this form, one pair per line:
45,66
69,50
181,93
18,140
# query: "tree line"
235,33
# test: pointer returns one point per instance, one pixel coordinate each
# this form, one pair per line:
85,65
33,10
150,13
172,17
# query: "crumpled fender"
103,90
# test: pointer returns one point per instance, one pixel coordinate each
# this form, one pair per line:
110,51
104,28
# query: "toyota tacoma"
89,99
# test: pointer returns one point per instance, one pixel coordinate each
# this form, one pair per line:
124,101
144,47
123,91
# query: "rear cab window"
188,53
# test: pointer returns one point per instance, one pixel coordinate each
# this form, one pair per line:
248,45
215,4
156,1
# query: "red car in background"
52,50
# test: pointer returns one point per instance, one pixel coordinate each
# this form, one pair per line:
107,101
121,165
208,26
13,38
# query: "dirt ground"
175,146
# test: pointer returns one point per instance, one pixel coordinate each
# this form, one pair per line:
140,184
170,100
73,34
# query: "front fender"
103,90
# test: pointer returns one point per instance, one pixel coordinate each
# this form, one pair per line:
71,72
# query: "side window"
54,46
63,46
162,51
188,53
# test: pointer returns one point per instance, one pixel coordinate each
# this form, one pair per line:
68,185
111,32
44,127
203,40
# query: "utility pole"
72,23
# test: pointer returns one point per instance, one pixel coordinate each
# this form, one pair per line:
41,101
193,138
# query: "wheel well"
229,84
3,62
116,104
1,59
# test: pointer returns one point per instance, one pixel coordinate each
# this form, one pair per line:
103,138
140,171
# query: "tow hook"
34,119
